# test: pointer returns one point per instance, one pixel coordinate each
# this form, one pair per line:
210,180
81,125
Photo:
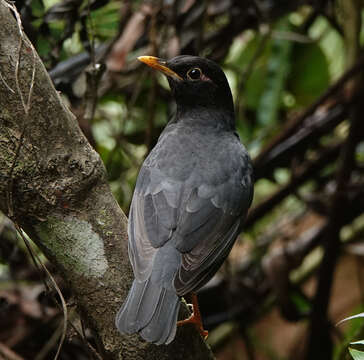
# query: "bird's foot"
195,318
190,306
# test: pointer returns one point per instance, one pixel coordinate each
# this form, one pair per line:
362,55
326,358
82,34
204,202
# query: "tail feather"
150,310
162,327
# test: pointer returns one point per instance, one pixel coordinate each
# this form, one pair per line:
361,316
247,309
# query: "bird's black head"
195,82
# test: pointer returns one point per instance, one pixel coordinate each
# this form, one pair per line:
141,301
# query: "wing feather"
197,268
205,236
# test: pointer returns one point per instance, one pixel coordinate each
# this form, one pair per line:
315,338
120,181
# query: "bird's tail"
151,311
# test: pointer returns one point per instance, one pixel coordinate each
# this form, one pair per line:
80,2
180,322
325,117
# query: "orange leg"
195,317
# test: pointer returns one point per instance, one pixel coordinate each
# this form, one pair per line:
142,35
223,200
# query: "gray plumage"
190,200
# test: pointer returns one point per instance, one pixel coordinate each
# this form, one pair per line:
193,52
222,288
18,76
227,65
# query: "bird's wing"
208,227
201,220
152,219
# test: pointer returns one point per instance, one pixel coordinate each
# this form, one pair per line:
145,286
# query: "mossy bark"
53,184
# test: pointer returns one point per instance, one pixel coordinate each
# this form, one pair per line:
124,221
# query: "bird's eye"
194,74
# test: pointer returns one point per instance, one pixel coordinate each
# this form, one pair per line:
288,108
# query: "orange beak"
159,65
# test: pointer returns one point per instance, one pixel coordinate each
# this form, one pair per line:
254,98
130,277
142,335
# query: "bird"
191,197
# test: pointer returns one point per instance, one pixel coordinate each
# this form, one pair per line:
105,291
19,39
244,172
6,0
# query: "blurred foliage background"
295,70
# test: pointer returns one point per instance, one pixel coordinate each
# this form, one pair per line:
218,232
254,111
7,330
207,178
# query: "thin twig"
93,73
83,336
292,36
306,172
8,353
6,84
26,106
48,346
38,261
12,7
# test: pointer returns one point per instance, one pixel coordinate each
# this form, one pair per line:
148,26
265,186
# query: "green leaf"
43,46
278,68
37,8
309,76
356,354
302,303
254,86
105,20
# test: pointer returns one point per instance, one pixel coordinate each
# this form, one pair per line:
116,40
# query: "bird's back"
198,153
193,188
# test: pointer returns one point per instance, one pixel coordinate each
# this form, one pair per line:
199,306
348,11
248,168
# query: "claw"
195,317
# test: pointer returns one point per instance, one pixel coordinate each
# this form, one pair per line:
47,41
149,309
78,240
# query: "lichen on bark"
83,251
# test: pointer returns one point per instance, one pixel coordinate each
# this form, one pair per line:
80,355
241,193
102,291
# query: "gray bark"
53,184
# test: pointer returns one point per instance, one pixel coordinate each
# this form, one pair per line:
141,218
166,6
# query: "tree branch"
337,107
305,173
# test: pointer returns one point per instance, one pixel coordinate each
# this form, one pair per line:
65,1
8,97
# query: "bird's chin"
173,84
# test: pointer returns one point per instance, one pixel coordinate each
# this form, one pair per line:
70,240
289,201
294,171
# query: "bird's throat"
206,117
